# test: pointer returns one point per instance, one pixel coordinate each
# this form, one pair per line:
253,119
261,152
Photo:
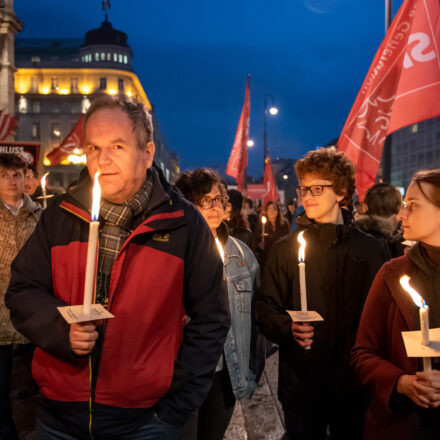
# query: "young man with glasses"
316,384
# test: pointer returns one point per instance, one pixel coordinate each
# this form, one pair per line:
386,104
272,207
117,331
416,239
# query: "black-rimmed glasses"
208,202
315,190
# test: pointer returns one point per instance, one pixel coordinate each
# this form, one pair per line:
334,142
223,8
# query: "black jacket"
385,230
341,262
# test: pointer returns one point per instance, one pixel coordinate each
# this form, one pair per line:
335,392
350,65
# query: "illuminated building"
55,82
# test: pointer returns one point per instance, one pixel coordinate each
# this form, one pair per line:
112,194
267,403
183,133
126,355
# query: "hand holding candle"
92,247
423,314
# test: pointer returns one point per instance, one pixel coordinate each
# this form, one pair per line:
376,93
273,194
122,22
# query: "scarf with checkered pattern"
118,222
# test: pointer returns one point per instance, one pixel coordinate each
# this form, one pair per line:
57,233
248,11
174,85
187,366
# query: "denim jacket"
242,276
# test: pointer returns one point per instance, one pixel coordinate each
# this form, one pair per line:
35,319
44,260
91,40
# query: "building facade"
414,148
55,81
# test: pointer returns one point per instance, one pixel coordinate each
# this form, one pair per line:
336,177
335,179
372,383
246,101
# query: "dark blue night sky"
193,58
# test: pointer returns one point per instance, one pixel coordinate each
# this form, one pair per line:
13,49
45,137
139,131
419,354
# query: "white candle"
423,315
263,222
302,271
43,190
91,248
220,249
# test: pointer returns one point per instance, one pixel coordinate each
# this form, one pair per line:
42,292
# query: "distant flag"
270,186
8,123
237,162
401,88
73,140
105,5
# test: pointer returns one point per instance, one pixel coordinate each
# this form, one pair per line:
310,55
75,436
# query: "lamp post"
273,110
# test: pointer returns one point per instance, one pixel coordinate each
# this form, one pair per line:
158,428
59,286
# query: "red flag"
7,124
269,184
401,88
72,141
237,162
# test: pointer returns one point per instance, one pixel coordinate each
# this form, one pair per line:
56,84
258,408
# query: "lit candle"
43,189
220,249
423,314
92,247
263,222
302,271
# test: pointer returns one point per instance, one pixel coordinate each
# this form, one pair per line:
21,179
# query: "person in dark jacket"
382,203
405,400
316,386
276,227
142,373
236,224
237,370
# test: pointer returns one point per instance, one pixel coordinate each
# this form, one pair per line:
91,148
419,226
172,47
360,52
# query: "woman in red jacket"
405,401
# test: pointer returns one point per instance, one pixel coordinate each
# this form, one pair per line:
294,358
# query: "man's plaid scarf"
118,221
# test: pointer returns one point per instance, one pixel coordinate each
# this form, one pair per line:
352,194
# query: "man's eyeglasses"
208,202
315,190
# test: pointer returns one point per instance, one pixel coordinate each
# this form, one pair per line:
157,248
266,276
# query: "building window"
96,56
22,105
35,130
109,56
36,107
54,84
55,109
85,104
74,84
115,57
102,56
55,132
102,83
414,128
35,59
125,59
35,82
120,85
120,58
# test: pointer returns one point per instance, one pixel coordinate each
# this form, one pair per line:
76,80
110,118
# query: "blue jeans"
155,429
7,427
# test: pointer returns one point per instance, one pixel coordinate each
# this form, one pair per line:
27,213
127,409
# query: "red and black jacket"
168,267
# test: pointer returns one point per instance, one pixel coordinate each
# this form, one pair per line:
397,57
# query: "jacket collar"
81,195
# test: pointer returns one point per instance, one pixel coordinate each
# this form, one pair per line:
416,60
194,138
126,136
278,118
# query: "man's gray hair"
140,118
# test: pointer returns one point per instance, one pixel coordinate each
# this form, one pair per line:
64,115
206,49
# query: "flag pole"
386,154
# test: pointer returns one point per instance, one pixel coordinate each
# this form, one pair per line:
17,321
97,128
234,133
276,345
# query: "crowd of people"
200,287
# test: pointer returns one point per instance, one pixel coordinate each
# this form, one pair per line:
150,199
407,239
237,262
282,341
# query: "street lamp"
250,143
272,110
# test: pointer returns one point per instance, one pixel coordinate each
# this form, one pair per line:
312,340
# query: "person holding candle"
317,387
404,399
238,369
274,228
142,373
18,218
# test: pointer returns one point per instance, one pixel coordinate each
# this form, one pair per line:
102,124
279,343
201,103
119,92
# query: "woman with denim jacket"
236,375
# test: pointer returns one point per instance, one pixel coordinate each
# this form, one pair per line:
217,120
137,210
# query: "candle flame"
263,219
302,248
416,297
220,249
96,198
43,181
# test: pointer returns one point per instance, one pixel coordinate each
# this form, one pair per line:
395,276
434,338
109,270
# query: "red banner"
256,191
269,184
7,124
237,162
73,140
401,88
26,150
